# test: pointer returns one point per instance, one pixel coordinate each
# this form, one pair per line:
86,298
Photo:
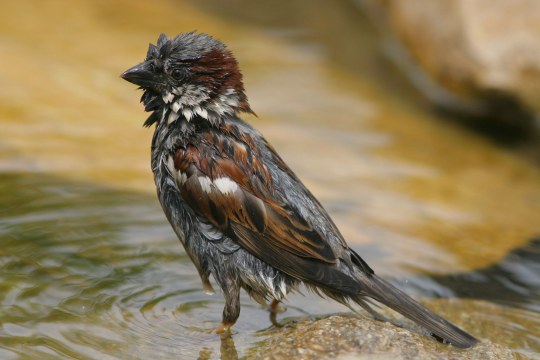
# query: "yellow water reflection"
417,193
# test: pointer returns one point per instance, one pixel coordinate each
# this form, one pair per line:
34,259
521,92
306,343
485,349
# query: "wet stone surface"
350,337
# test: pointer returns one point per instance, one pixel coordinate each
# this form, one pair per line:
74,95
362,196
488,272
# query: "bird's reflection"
227,349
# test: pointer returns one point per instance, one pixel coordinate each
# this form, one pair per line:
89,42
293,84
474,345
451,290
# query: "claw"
223,328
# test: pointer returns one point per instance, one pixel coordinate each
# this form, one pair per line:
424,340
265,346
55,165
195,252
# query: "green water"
91,269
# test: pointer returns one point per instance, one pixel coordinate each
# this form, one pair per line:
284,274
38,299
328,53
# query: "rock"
481,57
349,337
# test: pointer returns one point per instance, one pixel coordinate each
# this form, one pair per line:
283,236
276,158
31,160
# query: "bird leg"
274,308
207,287
205,278
231,311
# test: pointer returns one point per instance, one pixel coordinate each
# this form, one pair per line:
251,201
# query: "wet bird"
240,212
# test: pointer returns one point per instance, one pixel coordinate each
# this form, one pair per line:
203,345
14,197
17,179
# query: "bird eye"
176,74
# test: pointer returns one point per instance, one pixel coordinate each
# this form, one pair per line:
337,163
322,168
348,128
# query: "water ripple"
116,283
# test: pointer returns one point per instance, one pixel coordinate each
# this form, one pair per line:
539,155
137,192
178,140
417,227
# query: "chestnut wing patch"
222,181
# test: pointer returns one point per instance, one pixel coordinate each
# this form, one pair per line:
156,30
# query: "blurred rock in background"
476,58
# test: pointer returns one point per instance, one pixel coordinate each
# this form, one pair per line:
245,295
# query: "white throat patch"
189,101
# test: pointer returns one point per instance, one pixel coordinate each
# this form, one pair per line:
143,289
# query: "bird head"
193,76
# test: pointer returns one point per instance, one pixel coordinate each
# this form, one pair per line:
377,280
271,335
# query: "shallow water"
91,272
91,269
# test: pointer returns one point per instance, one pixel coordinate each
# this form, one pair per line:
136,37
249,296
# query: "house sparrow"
241,214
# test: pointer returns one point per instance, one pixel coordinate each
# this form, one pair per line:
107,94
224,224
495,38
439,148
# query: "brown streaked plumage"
251,204
241,214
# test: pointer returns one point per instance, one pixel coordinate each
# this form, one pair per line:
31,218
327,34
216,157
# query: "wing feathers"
229,190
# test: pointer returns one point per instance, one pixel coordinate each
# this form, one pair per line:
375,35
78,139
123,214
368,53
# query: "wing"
222,178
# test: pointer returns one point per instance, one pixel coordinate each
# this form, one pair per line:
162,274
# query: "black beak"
142,75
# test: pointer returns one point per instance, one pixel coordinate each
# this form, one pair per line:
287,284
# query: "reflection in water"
91,272
514,281
228,350
88,271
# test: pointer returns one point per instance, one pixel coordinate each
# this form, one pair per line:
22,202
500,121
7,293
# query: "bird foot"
208,289
274,309
224,328
207,286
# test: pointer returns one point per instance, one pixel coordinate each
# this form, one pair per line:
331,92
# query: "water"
91,269
92,272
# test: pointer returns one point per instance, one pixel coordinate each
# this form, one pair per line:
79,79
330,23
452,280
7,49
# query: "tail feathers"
385,293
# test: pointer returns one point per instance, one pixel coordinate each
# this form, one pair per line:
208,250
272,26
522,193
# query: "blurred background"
414,122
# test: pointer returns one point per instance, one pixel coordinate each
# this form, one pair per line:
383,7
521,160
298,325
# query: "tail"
440,328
